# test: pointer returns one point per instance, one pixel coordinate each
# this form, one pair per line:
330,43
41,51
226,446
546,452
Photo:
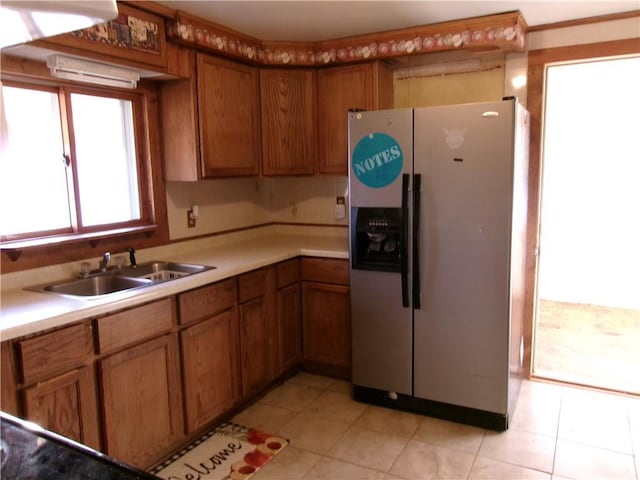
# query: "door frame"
537,61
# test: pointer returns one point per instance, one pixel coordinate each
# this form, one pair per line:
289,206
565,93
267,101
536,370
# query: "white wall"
233,203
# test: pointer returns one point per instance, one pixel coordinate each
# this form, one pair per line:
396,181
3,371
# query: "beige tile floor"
557,432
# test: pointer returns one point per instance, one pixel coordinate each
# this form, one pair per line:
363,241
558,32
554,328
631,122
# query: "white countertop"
25,312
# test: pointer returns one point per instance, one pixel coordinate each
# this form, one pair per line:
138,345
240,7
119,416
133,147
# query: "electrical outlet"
340,209
191,219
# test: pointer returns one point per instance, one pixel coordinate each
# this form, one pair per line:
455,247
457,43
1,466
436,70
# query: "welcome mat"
229,452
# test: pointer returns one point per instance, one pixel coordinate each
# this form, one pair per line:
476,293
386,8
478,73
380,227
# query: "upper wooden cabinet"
211,122
367,86
288,121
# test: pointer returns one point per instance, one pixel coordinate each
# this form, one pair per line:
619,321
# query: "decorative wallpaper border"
497,32
125,31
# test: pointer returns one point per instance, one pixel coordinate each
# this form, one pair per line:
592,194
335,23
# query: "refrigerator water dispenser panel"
376,242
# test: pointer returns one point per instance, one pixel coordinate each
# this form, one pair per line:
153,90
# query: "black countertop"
27,452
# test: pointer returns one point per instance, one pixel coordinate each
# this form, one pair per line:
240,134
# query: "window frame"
64,93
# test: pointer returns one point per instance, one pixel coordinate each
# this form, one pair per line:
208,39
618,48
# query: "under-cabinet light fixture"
81,70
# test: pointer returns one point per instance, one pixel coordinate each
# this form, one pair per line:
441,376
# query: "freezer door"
380,144
381,333
464,155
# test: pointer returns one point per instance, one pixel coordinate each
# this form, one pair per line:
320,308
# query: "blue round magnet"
376,160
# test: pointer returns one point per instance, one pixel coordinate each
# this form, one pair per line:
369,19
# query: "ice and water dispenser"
376,238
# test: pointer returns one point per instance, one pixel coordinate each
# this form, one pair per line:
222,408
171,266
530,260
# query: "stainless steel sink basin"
162,271
99,284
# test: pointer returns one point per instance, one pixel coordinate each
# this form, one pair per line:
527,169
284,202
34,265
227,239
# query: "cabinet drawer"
56,352
207,301
325,270
287,273
252,285
131,326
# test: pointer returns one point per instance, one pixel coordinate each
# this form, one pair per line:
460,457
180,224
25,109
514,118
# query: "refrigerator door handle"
417,191
404,234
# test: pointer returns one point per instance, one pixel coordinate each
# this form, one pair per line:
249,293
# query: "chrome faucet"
132,257
106,256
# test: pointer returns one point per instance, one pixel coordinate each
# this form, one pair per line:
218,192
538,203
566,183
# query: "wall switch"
340,209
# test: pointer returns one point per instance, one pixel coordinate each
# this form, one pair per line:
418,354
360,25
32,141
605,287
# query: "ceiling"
312,20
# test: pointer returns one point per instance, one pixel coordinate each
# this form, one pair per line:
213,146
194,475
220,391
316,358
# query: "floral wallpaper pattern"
508,34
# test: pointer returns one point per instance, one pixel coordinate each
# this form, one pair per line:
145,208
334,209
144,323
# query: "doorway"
587,326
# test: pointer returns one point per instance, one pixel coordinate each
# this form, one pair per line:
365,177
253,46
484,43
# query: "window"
70,163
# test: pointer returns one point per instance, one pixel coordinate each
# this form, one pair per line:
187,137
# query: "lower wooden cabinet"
59,382
288,315
66,404
326,319
256,295
210,368
138,383
209,351
142,402
289,327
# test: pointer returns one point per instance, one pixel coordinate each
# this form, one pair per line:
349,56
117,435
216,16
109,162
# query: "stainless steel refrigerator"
437,250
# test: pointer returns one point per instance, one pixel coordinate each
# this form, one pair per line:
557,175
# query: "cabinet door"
364,87
254,345
288,121
326,324
142,401
66,404
289,327
8,380
228,106
210,368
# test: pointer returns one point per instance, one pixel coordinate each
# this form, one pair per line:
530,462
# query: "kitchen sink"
97,285
162,271
116,280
